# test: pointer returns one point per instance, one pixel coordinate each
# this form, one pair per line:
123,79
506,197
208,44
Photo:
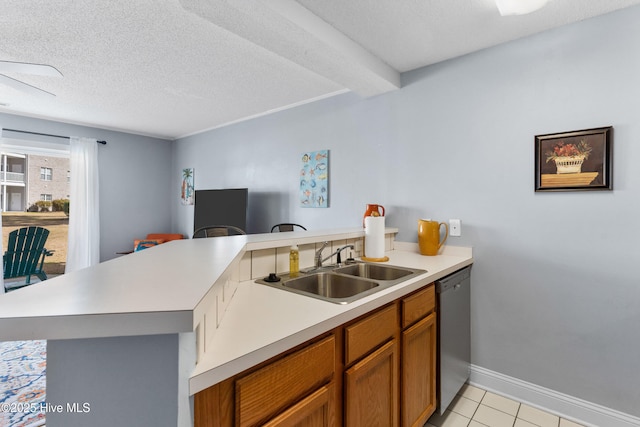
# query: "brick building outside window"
53,183
27,178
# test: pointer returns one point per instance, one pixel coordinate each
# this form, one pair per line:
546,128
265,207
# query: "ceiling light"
519,7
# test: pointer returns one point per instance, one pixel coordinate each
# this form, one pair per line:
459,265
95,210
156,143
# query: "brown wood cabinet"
297,386
377,370
371,389
419,342
371,384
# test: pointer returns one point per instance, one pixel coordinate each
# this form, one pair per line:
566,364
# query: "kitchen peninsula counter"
149,292
154,291
134,323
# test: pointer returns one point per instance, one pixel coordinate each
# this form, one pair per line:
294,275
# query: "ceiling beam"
291,31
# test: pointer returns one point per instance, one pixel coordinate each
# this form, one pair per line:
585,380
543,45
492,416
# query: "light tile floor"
474,407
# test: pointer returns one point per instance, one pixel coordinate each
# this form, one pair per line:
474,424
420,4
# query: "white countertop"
148,292
154,291
262,322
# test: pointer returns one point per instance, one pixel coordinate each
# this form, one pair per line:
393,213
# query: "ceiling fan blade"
22,86
27,68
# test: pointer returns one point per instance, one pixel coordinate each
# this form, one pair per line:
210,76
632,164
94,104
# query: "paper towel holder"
374,239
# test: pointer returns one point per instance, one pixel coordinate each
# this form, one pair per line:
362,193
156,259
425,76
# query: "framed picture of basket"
574,161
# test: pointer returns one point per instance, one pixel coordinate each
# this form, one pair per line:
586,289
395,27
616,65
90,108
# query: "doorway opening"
34,191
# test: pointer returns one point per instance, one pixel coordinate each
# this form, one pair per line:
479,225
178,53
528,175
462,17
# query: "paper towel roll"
374,236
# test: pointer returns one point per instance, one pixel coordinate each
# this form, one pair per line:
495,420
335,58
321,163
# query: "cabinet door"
371,389
317,410
419,372
283,383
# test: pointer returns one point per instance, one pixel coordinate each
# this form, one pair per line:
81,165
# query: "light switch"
454,227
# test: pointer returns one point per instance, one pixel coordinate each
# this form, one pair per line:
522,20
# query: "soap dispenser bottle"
294,261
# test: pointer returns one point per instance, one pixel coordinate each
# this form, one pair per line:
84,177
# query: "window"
46,197
45,174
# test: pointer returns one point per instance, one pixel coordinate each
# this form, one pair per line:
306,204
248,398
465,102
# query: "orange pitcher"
429,236
373,210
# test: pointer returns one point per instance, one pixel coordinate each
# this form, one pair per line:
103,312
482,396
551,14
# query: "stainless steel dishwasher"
454,334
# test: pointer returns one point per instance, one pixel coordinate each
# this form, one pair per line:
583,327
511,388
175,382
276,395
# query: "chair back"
165,237
286,226
217,231
25,252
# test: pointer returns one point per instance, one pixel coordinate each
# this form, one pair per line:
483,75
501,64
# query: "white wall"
556,295
134,181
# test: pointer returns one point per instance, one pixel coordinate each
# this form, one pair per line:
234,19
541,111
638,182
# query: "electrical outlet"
455,229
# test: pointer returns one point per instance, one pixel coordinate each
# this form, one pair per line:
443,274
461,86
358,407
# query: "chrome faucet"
319,259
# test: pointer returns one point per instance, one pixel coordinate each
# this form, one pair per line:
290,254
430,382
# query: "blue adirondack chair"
25,255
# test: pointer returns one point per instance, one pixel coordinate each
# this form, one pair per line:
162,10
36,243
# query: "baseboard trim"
563,405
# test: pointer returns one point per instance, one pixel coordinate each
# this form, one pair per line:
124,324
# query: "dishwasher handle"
453,281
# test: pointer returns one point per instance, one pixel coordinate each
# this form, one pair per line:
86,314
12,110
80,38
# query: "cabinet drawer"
262,394
366,334
418,305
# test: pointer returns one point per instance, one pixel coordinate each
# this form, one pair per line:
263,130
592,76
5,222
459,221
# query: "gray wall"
116,381
134,181
556,296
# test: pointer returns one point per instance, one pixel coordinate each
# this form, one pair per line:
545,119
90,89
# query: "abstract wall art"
314,179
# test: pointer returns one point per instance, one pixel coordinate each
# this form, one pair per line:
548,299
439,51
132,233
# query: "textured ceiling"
171,68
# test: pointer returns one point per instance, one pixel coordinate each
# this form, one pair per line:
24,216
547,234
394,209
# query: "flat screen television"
221,207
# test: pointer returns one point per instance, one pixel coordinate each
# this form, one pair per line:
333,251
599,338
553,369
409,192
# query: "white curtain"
84,219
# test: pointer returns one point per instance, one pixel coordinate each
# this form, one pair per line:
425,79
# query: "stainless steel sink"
374,271
329,285
344,284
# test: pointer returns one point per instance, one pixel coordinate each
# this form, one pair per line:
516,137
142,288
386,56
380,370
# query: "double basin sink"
343,284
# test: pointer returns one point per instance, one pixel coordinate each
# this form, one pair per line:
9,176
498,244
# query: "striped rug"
23,366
